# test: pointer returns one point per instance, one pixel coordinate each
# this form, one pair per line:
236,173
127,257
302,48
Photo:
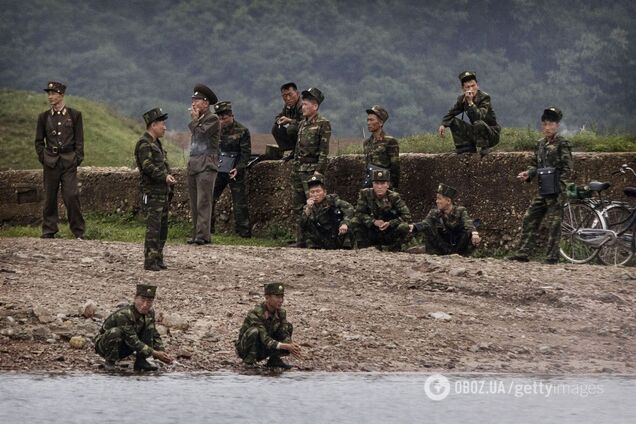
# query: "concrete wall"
487,187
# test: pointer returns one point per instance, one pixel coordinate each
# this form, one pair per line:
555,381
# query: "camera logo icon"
437,387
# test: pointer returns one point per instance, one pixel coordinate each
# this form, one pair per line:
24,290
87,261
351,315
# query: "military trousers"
393,237
318,238
154,206
467,137
439,242
239,201
53,179
299,200
111,345
200,190
251,349
548,210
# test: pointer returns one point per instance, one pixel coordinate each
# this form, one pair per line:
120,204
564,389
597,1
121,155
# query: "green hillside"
109,138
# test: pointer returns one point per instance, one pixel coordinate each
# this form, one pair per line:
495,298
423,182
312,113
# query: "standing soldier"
265,332
312,149
381,151
381,217
236,148
326,219
156,187
203,163
131,329
285,129
448,228
552,165
59,144
483,130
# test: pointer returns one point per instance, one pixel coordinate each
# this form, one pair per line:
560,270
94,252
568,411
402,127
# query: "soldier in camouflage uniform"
131,329
483,130
310,155
235,144
285,129
381,216
380,150
156,187
265,332
326,219
552,151
448,228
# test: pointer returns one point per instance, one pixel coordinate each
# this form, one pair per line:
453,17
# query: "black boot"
142,365
276,362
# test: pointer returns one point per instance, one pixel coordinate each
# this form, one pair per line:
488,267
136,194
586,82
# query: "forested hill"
405,55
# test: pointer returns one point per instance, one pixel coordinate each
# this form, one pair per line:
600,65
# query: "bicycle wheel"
621,250
576,216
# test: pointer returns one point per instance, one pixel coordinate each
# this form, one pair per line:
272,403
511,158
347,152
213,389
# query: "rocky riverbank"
352,310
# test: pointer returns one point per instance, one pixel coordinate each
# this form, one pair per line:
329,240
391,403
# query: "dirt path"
351,310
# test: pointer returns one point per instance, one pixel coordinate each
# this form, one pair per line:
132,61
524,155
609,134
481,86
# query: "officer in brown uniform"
59,144
203,163
285,129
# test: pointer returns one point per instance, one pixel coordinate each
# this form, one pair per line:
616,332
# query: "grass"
129,228
109,137
514,140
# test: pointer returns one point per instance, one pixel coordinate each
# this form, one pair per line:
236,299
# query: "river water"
315,398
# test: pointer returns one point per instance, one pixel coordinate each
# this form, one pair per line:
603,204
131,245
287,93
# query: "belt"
57,150
308,160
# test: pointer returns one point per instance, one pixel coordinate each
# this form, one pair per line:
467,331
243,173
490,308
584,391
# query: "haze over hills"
405,55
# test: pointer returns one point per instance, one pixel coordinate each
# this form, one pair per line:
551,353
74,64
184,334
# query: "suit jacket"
204,144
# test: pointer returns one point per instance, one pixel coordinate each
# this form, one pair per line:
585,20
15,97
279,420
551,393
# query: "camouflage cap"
146,290
274,288
58,87
380,112
153,115
316,179
552,114
381,175
446,190
204,93
313,93
467,76
223,107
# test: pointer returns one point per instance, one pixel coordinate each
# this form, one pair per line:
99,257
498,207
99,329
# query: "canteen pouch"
368,180
227,161
548,181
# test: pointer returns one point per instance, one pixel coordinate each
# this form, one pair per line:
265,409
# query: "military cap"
204,93
223,107
381,175
288,85
316,179
552,114
58,87
313,93
146,290
447,191
274,288
153,115
467,76
380,112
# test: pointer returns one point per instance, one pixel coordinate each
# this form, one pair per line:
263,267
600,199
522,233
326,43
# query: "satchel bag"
548,181
227,161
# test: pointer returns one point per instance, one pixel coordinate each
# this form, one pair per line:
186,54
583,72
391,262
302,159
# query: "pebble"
77,342
457,272
88,310
442,316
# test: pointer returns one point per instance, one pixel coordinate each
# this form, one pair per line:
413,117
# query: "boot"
519,257
151,266
276,362
161,264
142,365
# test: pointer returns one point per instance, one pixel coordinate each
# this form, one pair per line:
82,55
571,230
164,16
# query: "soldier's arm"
457,108
347,211
148,167
257,322
208,128
534,164
469,225
157,343
40,134
566,164
245,144
427,222
125,321
78,135
325,136
478,112
362,211
393,149
403,210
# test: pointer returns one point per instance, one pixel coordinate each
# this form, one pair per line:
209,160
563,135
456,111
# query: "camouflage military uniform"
260,334
482,131
319,229
156,195
235,138
558,154
385,153
447,233
389,208
286,136
310,156
125,332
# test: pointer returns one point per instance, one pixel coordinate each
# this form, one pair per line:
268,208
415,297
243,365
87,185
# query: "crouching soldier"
326,219
131,329
448,228
381,216
265,332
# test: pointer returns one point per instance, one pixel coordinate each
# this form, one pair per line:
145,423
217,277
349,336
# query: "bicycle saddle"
630,191
598,186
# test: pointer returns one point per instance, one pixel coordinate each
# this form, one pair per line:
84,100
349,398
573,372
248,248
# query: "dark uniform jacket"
266,323
152,163
312,147
132,325
295,113
60,136
385,153
481,110
390,208
235,138
204,145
